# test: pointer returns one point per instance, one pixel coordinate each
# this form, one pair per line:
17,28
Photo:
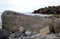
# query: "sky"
26,5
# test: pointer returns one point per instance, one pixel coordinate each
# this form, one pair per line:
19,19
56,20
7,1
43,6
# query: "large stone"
13,21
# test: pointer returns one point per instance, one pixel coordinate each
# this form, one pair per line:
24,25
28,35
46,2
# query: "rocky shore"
48,10
20,26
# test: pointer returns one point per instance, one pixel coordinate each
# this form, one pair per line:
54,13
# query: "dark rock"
51,28
4,34
48,10
17,35
13,21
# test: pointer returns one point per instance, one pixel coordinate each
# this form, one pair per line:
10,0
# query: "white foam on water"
31,14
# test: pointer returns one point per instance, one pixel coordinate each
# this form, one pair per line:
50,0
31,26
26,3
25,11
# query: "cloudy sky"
26,5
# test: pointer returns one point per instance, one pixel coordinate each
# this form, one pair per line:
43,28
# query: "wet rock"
13,21
4,34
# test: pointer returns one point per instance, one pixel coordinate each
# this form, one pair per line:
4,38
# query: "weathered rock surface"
13,21
29,27
48,10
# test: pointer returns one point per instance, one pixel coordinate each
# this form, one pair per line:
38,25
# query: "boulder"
13,21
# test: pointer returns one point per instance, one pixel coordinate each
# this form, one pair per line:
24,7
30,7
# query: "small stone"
28,32
21,29
17,35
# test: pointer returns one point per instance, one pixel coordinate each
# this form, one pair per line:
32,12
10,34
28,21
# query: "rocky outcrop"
13,21
28,27
48,10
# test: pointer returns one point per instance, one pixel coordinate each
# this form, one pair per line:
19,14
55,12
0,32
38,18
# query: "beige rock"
27,32
21,29
45,30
